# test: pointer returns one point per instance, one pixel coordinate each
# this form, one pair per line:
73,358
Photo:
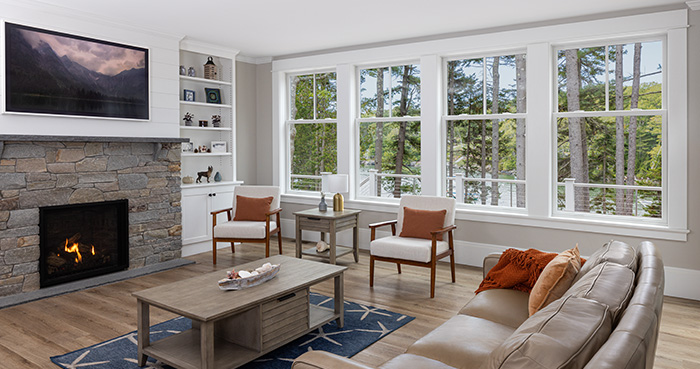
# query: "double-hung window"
312,128
389,131
485,130
610,127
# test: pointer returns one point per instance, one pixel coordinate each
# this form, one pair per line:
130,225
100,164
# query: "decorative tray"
245,279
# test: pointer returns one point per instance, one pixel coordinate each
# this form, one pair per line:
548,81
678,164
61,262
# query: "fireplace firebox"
81,241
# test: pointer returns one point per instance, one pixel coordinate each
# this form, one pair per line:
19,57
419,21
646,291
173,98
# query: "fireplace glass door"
83,241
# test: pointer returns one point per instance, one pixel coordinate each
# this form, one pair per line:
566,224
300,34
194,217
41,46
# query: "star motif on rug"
382,332
325,336
77,362
366,310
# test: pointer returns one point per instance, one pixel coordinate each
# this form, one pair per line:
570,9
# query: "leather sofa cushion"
613,251
565,334
608,283
503,306
462,342
414,361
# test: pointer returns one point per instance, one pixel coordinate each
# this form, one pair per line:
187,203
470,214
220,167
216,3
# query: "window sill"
615,228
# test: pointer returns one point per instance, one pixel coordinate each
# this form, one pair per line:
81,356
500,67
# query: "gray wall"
246,122
264,128
675,254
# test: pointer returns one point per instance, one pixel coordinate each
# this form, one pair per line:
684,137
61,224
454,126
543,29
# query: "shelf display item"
210,69
213,95
206,174
188,118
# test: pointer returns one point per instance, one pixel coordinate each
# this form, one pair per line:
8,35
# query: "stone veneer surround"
50,171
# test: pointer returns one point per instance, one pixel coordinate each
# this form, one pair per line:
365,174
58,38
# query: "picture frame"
54,73
218,146
187,147
213,95
188,95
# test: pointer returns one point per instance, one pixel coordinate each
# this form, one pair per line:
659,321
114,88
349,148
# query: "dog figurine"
204,174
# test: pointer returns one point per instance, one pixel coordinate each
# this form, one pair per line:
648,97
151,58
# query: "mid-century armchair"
419,242
250,219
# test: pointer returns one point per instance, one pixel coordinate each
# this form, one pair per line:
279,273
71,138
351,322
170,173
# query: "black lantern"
210,69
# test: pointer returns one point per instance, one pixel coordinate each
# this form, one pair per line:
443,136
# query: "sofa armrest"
490,261
325,360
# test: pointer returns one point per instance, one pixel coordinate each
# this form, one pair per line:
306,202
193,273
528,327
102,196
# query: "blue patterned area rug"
364,325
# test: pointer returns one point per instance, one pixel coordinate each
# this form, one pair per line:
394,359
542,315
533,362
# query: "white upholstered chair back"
427,203
257,191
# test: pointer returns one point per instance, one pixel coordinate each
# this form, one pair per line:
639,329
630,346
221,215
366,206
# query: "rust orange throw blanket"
516,270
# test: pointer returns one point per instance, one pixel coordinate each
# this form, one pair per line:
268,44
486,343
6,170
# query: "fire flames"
75,248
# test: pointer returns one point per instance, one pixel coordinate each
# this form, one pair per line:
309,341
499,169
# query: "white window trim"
539,43
288,123
663,112
355,182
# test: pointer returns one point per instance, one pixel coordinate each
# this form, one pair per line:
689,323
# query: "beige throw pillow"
555,280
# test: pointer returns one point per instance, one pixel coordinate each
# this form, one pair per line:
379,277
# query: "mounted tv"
56,73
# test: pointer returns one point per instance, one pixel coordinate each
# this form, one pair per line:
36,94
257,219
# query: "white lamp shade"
335,183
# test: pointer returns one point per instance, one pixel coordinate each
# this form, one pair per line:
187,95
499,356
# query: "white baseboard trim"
200,247
680,282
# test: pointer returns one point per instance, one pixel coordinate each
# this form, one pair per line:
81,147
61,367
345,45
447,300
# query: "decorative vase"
322,206
191,72
217,177
183,70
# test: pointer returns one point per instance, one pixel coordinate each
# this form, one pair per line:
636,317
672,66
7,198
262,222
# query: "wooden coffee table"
231,328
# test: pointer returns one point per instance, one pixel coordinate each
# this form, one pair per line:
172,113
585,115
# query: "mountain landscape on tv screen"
39,81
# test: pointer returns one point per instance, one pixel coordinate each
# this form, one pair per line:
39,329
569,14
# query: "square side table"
329,222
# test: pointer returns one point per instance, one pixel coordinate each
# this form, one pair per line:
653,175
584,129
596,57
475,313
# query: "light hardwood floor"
30,333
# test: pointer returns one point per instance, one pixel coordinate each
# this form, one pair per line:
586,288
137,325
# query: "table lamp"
336,183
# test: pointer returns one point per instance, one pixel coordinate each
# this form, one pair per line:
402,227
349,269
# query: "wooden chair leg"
398,267
279,241
452,265
233,247
267,247
213,251
432,279
371,271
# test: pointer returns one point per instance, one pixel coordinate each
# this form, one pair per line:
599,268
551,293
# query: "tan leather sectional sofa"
609,318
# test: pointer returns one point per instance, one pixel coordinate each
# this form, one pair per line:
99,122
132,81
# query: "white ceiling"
269,28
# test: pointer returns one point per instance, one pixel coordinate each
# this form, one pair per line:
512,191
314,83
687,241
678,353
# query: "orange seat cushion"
252,208
419,223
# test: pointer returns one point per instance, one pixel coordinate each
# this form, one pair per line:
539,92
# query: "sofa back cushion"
632,345
608,283
565,334
613,251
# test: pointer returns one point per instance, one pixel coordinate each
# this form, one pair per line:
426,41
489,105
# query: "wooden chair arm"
220,211
382,224
373,228
443,230
275,211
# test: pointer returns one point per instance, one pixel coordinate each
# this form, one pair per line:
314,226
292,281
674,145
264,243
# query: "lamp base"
338,202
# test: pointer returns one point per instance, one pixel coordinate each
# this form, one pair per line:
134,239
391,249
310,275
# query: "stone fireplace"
47,171
79,241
